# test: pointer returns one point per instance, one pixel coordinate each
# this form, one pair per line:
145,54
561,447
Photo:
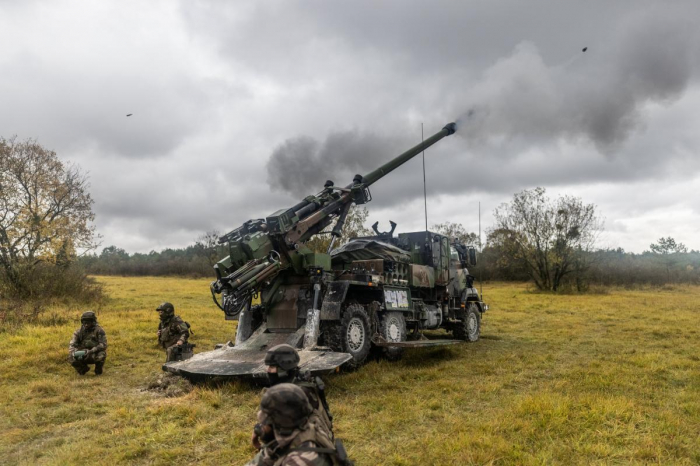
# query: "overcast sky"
241,108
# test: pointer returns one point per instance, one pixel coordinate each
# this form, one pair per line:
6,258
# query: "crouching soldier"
291,437
88,345
173,333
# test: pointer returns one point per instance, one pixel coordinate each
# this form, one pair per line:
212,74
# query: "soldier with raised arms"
88,345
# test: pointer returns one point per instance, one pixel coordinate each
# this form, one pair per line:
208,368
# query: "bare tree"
456,230
45,209
669,251
209,241
550,239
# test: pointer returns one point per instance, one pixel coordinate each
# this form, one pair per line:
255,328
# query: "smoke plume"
597,96
301,165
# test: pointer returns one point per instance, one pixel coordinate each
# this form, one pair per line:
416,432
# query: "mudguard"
333,300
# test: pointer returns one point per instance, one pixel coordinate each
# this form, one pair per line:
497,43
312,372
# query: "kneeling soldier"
292,437
88,345
173,333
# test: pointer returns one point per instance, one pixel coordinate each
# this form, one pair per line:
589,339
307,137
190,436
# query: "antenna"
425,191
481,269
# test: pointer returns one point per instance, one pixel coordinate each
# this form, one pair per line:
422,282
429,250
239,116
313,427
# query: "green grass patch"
606,377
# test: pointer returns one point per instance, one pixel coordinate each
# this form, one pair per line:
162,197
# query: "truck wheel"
393,329
469,328
352,334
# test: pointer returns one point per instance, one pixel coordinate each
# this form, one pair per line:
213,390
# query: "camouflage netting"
367,249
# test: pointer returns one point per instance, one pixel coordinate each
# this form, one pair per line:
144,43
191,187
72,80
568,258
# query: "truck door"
458,276
445,258
441,259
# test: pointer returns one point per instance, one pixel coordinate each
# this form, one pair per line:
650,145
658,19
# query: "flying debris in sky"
584,49
129,114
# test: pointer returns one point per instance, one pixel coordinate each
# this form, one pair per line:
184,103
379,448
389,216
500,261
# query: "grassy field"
555,379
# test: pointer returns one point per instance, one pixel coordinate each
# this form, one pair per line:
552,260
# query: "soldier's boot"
81,369
98,368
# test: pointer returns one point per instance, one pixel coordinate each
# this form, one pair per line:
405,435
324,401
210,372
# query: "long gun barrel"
388,167
315,215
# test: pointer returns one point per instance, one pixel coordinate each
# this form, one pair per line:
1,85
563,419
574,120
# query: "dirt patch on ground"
169,385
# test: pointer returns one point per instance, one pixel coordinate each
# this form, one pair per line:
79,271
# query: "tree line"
560,257
552,243
47,242
196,260
496,263
605,267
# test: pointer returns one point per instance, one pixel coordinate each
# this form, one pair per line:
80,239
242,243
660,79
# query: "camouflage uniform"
171,330
286,361
92,338
297,439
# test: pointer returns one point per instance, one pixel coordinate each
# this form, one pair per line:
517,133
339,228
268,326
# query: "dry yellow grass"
607,378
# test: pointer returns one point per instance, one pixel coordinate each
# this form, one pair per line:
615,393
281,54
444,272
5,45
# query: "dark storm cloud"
325,90
427,38
600,95
522,103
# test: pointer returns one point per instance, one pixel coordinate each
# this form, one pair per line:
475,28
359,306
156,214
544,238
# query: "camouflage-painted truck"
374,292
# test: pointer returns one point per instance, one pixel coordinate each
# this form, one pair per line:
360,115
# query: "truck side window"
435,244
455,263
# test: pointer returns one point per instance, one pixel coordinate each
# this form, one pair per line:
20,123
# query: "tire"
469,328
392,328
351,335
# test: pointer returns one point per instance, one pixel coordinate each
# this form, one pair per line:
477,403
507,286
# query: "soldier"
283,367
173,332
282,363
293,438
88,345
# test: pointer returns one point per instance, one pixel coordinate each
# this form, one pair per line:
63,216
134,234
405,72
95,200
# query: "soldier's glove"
255,441
261,433
179,343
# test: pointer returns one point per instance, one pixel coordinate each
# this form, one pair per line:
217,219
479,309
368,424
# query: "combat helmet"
285,406
167,308
88,317
284,357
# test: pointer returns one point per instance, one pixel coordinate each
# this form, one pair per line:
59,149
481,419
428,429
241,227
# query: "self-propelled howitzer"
333,309
261,249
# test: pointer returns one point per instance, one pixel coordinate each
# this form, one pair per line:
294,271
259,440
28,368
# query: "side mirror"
472,256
